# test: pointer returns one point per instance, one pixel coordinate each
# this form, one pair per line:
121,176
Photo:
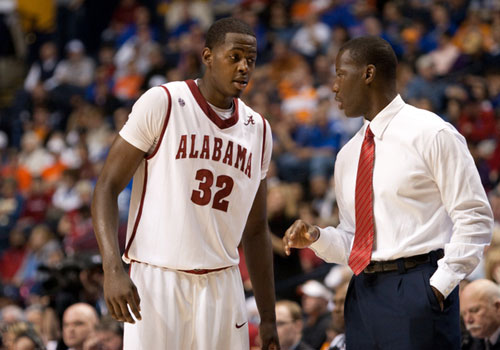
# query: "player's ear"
207,56
370,71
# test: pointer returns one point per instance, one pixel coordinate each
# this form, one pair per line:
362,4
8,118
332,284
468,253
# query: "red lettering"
193,153
217,149
228,157
248,170
181,152
205,150
240,156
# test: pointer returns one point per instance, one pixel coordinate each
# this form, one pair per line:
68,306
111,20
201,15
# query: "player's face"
349,85
232,63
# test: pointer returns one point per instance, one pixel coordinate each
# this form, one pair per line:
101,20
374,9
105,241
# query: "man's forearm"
105,221
259,260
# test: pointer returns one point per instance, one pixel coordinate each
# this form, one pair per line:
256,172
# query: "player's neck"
212,95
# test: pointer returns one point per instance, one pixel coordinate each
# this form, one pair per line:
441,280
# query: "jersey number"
203,195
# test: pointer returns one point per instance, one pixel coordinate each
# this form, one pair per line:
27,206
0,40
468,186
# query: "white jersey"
194,190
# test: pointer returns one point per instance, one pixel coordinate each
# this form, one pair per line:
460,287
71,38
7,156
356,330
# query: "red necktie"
361,252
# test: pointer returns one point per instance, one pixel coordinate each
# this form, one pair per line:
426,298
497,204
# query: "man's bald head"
480,308
79,321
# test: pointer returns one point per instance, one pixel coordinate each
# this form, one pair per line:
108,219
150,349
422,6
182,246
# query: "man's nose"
243,66
335,86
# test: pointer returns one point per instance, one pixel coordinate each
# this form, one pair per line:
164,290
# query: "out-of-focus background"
70,70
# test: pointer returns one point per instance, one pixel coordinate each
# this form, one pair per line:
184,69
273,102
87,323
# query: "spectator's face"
76,328
481,315
231,64
349,85
24,343
289,331
110,340
338,310
313,305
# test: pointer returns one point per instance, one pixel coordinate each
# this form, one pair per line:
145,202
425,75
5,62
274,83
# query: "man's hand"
439,297
269,336
120,291
300,235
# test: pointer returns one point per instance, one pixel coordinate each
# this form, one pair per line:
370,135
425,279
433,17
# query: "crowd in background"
70,71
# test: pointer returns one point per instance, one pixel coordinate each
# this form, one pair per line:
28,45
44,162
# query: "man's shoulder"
421,118
303,346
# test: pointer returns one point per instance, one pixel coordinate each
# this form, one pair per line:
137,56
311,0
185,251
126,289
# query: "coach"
414,217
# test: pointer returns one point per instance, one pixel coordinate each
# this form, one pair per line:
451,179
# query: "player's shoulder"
175,87
247,112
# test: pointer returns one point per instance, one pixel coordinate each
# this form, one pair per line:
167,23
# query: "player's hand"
269,336
120,293
300,235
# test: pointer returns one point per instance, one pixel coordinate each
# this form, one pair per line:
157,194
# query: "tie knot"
369,133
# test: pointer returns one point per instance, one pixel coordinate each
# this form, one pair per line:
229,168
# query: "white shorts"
183,311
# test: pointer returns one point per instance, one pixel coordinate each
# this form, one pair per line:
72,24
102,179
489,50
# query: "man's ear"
206,56
370,72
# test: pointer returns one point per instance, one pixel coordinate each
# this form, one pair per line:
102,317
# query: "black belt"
404,263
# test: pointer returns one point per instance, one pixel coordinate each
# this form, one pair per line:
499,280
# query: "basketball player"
199,157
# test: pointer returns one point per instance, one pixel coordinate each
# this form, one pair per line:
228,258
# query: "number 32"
203,195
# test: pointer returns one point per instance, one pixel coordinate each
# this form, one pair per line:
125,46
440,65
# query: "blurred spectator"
11,203
76,71
480,309
42,70
425,84
108,335
282,212
315,299
66,197
338,324
33,156
182,14
79,323
492,264
13,257
312,38
21,336
289,324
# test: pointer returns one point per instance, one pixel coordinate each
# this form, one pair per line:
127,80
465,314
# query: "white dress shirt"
427,195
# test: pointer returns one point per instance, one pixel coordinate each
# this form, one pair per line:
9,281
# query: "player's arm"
120,166
259,258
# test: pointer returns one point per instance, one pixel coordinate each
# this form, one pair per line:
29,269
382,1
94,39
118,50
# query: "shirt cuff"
323,241
444,281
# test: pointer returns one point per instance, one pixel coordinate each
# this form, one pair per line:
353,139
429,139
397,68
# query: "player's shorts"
183,311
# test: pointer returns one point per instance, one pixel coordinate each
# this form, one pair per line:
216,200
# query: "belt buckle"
370,269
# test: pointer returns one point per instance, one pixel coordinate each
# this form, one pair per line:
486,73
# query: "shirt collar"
494,337
384,117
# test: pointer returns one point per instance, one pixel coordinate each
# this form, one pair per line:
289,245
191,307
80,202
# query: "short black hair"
374,50
216,34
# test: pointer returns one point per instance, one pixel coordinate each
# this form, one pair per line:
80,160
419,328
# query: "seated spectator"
108,335
480,310
42,70
14,257
20,335
37,203
315,299
79,323
66,197
289,324
11,203
77,70
338,323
